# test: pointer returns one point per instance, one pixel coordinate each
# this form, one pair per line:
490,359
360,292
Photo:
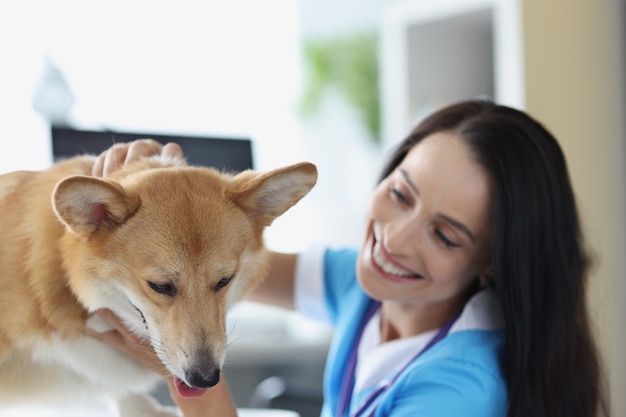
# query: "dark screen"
227,154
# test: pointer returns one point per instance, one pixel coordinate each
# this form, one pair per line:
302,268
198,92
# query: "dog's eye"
163,288
222,283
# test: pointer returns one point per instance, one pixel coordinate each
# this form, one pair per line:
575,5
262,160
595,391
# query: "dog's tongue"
186,391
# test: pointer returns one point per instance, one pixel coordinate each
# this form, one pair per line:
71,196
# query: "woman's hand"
122,339
216,401
122,153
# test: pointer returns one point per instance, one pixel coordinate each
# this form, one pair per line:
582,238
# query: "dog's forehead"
186,217
178,181
179,192
191,226
183,255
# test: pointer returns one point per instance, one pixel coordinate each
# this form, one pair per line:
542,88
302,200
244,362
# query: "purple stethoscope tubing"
345,392
346,386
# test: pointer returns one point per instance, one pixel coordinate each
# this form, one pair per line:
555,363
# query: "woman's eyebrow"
457,224
408,180
460,226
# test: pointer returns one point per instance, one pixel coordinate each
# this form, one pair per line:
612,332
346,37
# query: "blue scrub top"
460,375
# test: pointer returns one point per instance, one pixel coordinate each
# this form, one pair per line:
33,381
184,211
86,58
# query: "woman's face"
428,226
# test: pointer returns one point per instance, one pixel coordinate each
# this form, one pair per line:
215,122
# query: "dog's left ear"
85,204
267,195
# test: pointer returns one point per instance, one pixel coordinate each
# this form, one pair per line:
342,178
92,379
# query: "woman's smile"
388,267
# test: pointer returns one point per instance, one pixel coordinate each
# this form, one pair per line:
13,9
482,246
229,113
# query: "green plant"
348,63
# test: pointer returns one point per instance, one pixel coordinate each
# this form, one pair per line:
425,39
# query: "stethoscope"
345,393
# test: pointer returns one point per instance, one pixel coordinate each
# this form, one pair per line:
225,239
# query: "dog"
168,247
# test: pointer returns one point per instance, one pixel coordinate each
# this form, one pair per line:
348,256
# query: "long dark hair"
550,361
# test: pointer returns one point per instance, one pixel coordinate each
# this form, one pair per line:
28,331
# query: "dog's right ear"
267,195
86,204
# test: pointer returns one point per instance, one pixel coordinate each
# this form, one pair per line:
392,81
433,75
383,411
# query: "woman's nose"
402,237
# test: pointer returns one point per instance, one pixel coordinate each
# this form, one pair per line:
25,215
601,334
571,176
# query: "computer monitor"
231,154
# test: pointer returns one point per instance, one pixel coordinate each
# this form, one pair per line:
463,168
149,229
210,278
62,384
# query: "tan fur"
72,244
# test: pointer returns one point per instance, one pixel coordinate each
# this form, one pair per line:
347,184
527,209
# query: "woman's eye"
163,288
445,240
399,196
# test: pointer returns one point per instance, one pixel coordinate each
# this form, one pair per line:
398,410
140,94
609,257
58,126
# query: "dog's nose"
200,379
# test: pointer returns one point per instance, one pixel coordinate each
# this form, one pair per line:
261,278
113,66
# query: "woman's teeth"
388,267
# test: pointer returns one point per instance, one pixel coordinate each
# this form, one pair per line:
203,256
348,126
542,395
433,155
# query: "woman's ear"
486,278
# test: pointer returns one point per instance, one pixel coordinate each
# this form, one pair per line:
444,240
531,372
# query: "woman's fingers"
114,321
124,340
140,148
173,150
119,337
120,154
109,159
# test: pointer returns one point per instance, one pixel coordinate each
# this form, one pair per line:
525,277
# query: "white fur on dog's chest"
96,368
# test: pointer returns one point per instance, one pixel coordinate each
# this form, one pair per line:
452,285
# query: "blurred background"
337,84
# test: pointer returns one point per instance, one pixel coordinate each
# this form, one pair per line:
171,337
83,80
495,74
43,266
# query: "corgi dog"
166,246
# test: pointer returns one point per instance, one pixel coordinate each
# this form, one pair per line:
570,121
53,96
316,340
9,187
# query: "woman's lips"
388,268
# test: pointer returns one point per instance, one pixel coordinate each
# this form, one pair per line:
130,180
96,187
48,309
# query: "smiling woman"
428,227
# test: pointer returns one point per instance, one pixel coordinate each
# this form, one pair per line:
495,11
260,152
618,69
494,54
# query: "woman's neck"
401,320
